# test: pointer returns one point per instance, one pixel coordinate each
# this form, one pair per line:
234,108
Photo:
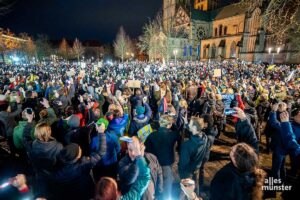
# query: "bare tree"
64,49
43,48
78,49
122,44
279,17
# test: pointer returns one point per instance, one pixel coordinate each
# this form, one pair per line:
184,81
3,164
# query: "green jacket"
18,134
140,185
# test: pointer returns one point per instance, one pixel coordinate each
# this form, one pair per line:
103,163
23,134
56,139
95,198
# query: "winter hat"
74,121
103,121
140,110
69,153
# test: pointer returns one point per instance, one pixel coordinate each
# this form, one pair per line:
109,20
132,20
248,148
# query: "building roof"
227,11
221,13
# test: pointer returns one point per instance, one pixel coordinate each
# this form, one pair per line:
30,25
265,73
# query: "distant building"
214,32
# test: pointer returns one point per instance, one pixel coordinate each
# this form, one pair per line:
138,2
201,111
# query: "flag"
185,51
191,50
198,50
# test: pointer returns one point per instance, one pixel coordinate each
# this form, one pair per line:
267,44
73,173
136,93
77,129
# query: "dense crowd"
126,122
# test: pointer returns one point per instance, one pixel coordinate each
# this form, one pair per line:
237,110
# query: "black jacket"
161,144
73,180
43,155
230,184
192,153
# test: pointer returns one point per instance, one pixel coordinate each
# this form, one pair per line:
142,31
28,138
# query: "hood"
140,119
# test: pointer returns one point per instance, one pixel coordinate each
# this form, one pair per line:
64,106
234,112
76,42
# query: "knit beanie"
140,110
103,121
69,153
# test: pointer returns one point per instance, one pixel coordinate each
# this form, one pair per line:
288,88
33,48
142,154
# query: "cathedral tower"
206,5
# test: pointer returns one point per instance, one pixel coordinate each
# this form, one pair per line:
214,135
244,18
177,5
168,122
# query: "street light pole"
175,54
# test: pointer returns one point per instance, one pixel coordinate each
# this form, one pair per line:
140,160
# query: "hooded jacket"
118,125
140,121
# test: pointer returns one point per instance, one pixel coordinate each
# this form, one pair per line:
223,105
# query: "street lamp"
273,53
175,51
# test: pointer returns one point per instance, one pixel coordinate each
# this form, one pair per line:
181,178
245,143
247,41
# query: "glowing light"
270,50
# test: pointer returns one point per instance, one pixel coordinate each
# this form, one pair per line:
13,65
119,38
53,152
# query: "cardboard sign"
134,84
217,73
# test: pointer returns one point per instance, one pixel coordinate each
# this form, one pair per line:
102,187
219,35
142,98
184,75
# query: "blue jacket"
276,140
112,148
296,130
118,125
246,133
289,139
140,121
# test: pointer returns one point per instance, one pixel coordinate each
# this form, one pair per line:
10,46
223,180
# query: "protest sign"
217,73
134,84
144,132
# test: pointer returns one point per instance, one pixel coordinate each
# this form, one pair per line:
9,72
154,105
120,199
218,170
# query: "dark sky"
85,19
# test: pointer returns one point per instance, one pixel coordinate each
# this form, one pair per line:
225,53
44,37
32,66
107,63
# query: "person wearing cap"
108,165
72,179
141,119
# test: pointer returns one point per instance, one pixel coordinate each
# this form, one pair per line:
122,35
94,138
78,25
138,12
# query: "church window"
225,30
220,30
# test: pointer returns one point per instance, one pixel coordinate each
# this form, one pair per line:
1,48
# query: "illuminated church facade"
209,30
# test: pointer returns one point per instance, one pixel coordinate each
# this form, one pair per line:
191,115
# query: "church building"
208,29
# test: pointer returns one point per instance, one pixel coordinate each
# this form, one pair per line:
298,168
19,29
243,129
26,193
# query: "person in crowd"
42,152
141,119
108,165
193,151
279,152
240,179
72,175
7,118
128,172
47,115
161,143
107,187
244,130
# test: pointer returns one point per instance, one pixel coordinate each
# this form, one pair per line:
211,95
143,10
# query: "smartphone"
126,139
29,111
230,111
188,182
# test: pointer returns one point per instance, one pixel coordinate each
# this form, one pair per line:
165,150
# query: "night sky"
85,19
